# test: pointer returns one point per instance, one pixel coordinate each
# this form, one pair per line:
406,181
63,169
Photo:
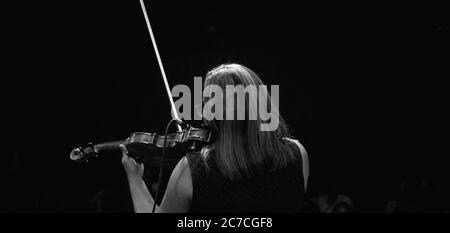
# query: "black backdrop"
348,73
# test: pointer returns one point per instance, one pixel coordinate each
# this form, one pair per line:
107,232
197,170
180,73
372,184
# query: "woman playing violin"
244,170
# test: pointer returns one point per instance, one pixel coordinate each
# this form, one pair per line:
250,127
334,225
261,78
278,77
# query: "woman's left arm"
178,194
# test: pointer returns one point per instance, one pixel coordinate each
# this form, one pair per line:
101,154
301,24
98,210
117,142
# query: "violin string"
155,47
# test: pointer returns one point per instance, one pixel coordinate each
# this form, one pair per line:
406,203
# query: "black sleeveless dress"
278,191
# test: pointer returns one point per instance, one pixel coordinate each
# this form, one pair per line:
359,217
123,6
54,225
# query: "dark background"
355,80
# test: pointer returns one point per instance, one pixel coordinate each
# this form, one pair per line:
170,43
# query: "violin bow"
161,67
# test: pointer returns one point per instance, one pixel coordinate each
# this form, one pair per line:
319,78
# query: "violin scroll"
82,155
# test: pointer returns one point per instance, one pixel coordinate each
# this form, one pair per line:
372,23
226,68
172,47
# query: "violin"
146,147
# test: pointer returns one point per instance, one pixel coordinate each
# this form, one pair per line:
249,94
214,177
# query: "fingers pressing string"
124,149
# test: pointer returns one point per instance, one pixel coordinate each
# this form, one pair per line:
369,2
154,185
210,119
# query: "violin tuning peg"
79,150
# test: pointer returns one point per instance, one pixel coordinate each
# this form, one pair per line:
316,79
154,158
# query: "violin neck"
114,145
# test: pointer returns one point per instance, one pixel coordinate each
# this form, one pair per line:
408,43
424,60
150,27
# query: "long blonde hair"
241,149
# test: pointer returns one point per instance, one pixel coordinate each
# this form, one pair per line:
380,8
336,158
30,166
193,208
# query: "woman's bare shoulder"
299,145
